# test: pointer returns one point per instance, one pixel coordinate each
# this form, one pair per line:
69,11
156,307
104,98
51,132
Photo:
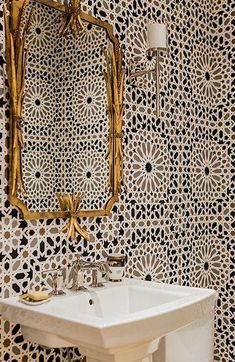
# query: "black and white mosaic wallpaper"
175,220
66,123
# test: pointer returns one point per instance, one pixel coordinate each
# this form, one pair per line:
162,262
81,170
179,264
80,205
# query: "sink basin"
118,317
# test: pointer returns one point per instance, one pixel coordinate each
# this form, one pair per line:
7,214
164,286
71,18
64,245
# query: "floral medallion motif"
92,37
149,262
211,75
90,100
209,170
209,263
90,177
148,167
40,103
38,171
43,30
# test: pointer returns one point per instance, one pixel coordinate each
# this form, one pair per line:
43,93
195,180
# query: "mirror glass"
65,118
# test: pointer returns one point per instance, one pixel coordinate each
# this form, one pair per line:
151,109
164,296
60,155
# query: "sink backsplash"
174,221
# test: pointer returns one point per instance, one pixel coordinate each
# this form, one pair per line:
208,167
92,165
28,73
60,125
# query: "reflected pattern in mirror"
68,128
65,109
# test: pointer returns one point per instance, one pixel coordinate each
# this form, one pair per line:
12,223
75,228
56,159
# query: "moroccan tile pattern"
175,220
66,131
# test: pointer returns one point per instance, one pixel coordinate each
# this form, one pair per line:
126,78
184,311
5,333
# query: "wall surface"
174,222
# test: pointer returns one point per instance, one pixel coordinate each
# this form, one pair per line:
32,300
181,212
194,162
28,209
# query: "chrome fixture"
80,266
76,274
57,280
157,43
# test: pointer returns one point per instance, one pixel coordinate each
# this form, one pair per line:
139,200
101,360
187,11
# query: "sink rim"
190,296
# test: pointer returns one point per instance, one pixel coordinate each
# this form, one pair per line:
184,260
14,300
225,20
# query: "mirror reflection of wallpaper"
65,112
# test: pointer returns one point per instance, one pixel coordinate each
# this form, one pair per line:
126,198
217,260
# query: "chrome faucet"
56,279
79,265
102,267
76,268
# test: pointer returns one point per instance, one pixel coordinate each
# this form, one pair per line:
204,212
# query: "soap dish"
34,303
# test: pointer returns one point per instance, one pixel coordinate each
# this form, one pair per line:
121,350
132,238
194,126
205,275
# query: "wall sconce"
157,42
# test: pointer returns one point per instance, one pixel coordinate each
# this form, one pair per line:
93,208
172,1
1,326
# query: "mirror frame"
114,59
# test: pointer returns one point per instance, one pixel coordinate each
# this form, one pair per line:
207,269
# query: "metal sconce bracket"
152,53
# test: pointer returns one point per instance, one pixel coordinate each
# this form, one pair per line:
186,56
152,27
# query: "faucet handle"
57,280
78,261
104,267
99,267
76,274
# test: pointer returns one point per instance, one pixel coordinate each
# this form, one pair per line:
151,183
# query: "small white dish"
28,302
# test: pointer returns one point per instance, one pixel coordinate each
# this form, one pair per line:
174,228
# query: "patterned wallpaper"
175,220
67,124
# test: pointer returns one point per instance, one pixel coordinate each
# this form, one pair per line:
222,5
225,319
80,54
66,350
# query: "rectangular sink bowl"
117,315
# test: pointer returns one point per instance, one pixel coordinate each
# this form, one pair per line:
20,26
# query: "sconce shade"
157,36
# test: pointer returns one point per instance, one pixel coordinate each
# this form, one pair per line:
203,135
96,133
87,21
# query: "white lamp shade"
157,36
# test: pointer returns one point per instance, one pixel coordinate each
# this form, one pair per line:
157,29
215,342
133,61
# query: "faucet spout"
80,265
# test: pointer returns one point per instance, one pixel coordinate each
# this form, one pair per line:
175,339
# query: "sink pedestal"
193,343
135,353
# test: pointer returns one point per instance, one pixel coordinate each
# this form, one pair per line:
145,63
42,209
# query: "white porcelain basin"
118,315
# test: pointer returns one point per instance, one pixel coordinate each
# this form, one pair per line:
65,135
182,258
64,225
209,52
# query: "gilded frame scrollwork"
16,59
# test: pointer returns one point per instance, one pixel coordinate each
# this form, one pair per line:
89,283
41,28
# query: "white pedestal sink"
132,321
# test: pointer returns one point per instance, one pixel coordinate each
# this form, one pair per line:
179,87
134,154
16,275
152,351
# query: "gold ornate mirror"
66,88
